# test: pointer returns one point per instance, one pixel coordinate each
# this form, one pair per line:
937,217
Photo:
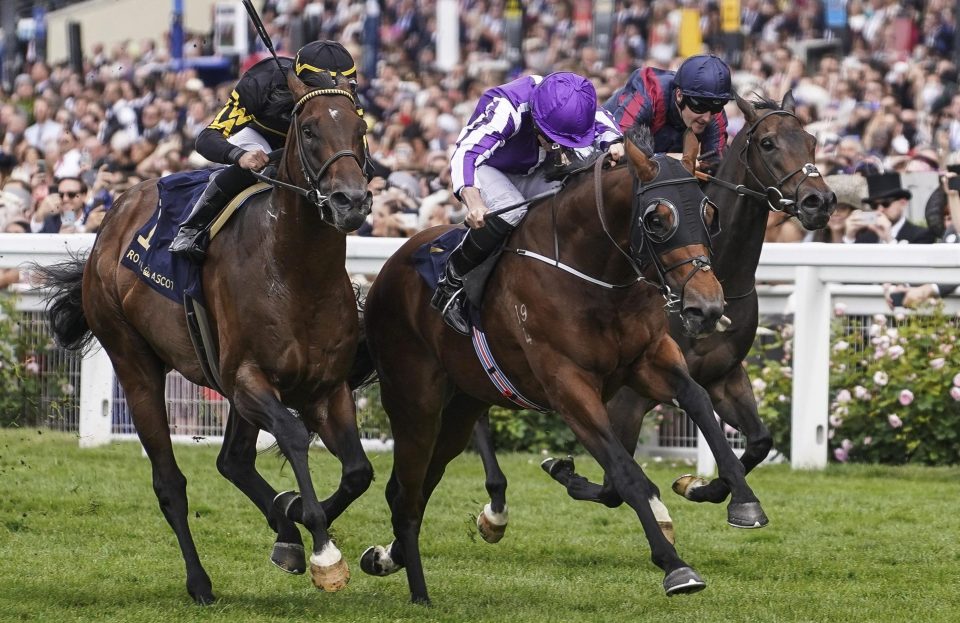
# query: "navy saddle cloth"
430,261
431,258
147,254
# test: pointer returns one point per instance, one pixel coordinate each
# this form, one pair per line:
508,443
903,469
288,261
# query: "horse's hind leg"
237,463
734,402
420,461
141,375
492,520
257,401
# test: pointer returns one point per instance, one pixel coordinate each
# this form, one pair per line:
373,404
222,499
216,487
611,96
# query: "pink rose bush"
894,388
906,397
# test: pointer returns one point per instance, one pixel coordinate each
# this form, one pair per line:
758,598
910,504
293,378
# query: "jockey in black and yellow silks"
253,122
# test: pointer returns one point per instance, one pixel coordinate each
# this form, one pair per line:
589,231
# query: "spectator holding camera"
62,209
886,220
851,191
914,296
390,216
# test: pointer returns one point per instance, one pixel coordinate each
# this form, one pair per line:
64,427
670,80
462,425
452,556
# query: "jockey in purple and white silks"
499,161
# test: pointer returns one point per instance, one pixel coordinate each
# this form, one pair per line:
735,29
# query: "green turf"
82,539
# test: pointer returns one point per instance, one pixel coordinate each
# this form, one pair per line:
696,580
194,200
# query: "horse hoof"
555,467
329,570
289,504
376,560
687,483
289,557
199,588
666,527
205,599
746,515
491,525
683,580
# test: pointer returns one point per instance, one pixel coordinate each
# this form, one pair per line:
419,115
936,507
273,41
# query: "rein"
673,301
772,195
312,193
556,263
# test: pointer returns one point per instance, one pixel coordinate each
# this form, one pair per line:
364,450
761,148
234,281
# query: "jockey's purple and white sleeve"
479,140
607,130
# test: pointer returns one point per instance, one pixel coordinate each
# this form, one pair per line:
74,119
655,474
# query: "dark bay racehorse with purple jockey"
567,332
768,167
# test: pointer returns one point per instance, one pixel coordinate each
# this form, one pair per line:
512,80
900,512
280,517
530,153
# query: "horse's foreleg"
625,410
578,400
142,378
237,463
340,435
667,371
259,402
492,520
734,402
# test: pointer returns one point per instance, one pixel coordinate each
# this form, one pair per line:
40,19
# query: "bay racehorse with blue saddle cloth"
283,316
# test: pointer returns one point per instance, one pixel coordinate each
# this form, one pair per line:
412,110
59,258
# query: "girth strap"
497,377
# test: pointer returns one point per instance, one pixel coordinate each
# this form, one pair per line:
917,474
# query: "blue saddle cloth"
431,258
430,261
147,254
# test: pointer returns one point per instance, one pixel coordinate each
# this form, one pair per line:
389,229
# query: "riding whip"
262,31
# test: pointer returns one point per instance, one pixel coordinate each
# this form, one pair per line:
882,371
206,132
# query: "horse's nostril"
812,201
339,199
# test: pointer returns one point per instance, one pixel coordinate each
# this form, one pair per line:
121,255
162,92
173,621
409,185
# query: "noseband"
772,194
313,177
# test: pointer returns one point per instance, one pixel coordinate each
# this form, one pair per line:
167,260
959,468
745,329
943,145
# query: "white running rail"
809,278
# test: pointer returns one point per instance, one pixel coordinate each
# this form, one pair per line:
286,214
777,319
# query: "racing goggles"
700,105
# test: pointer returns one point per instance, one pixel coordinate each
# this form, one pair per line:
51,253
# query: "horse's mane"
761,102
640,135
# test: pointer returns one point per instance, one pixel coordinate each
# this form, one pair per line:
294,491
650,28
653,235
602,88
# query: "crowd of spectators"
881,95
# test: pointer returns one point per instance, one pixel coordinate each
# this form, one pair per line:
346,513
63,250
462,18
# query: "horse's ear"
297,87
749,112
788,103
646,168
691,149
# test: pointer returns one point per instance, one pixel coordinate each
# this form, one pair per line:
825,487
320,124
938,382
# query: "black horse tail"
363,372
64,301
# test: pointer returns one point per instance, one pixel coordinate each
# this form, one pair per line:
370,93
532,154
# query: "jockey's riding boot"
476,247
449,300
191,241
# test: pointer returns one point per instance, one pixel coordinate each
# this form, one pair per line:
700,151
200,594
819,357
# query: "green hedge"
24,376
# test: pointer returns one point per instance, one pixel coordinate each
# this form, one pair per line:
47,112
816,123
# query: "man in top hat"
885,220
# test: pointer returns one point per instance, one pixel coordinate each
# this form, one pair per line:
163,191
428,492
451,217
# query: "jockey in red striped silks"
671,102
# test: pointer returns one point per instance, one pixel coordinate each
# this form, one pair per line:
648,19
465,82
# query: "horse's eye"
766,144
307,133
654,223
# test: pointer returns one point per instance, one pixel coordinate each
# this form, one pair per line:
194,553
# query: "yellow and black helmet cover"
318,61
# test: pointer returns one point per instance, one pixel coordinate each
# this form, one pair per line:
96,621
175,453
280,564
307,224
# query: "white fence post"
706,464
811,370
96,398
